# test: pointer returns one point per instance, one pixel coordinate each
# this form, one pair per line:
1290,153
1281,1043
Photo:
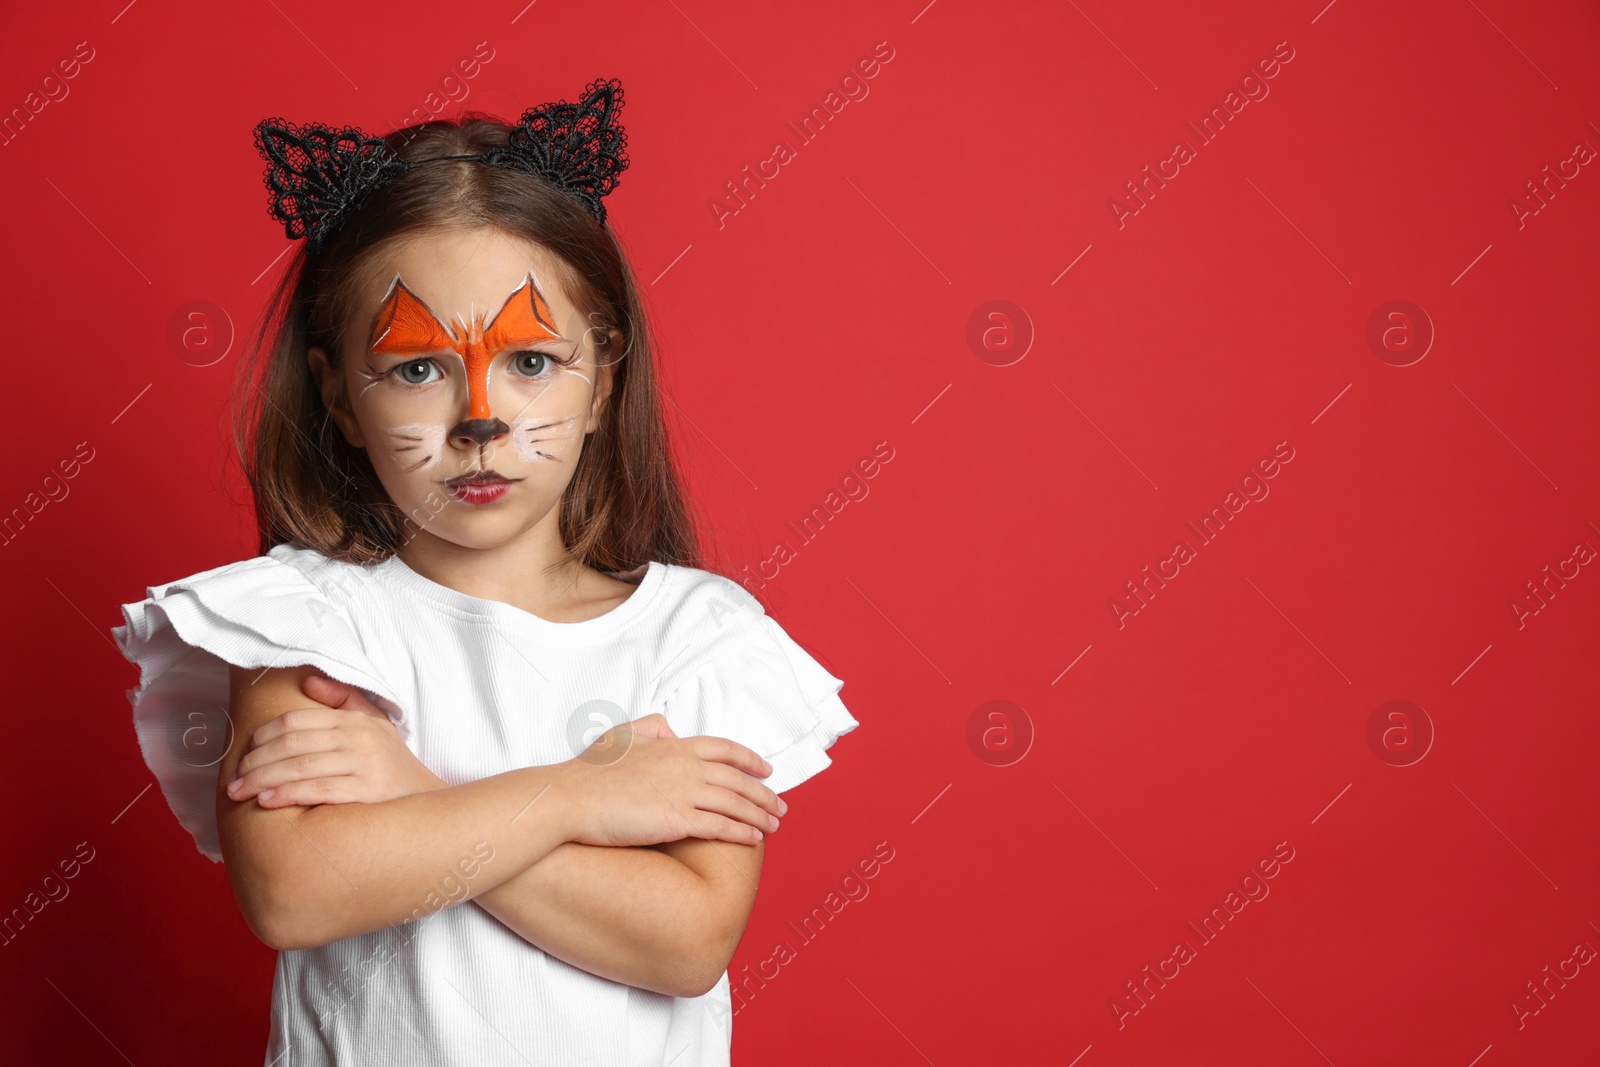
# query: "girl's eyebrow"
516,342
382,347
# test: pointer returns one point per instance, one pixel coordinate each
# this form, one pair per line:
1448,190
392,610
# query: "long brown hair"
625,503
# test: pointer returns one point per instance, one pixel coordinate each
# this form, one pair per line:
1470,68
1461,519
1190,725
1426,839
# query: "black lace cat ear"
319,176
580,147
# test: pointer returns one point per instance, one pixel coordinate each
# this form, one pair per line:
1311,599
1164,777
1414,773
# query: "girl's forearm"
320,874
627,914
633,915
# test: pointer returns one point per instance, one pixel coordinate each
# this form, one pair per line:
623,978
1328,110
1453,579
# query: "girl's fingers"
728,803
295,769
709,826
340,694
293,743
317,718
741,783
339,789
652,725
722,750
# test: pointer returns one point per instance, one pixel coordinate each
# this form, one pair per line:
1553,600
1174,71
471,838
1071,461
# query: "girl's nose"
478,432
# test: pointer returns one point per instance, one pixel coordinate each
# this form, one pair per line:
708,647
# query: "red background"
831,313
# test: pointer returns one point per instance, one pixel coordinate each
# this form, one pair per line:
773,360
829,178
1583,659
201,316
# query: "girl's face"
470,379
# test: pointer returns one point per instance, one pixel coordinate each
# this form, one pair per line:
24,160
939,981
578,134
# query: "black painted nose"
478,431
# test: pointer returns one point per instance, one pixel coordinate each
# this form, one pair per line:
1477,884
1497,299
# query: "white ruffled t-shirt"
475,687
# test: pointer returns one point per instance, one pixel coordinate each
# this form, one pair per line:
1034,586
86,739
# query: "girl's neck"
519,572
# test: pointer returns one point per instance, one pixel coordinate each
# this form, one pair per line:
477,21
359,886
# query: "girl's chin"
475,525
479,536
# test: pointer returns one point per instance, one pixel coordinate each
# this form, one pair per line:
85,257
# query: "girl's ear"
333,395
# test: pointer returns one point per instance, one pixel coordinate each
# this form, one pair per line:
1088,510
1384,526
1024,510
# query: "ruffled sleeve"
260,612
761,689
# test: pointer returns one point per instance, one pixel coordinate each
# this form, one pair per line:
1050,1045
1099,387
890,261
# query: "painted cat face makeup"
524,327
406,327
470,364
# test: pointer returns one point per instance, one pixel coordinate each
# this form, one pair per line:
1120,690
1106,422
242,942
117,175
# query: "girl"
487,756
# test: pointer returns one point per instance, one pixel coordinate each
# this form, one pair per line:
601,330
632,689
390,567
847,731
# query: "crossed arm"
665,917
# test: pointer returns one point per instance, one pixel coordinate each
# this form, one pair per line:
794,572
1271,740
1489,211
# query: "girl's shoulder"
691,585
730,670
288,598
288,595
701,610
283,571
708,621
339,582
290,607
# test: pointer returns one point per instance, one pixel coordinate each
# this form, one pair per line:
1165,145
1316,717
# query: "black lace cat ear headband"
320,176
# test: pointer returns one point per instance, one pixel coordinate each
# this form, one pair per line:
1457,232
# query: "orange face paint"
406,326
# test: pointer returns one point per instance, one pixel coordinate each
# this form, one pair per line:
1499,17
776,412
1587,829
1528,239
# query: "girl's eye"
533,364
411,372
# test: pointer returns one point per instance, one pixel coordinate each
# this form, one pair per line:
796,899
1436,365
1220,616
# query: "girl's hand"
639,784
344,752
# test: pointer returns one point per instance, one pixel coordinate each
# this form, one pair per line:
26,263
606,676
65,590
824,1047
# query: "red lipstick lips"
477,478
479,487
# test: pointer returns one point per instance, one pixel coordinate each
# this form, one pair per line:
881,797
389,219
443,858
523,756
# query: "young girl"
487,757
